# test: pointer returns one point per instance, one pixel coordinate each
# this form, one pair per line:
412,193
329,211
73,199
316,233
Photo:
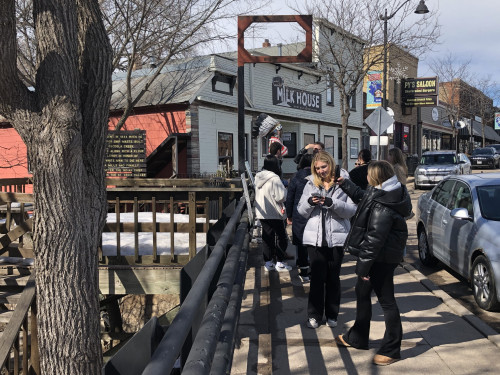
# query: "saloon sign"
285,96
419,92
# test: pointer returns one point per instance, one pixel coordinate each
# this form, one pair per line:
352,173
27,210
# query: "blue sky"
470,31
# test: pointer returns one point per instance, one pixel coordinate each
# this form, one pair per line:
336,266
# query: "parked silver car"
458,223
435,165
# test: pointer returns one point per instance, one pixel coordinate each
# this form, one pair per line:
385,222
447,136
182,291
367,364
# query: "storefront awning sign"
379,120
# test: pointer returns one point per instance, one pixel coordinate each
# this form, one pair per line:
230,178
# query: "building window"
339,145
354,148
223,84
308,139
352,100
290,141
225,148
329,144
329,90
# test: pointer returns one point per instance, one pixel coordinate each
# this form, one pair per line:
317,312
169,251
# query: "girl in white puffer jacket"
270,194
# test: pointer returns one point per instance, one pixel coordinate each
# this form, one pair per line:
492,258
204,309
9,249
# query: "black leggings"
275,238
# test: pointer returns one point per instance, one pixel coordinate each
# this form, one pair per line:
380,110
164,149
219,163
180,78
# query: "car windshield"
482,151
438,159
489,201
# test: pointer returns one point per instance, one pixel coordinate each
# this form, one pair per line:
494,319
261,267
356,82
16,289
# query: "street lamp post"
421,9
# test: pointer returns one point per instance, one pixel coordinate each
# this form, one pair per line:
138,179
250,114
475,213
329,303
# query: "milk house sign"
286,96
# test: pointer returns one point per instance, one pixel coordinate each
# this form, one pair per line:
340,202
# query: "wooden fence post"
192,224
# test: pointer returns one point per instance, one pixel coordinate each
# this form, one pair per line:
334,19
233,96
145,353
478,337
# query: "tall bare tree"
346,29
62,119
151,33
452,73
487,92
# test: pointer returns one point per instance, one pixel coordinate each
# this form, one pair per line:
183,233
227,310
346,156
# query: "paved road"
448,280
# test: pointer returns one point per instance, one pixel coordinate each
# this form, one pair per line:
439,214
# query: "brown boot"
383,360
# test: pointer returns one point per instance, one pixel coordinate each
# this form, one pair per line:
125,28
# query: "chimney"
266,43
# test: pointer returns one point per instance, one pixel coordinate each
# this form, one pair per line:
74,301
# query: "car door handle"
445,222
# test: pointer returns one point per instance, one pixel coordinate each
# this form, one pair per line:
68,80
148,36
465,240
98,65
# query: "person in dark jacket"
297,221
377,237
358,174
316,146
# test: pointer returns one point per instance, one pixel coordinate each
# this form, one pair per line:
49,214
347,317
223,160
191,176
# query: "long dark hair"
305,161
271,163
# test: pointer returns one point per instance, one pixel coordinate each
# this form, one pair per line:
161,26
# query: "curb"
456,307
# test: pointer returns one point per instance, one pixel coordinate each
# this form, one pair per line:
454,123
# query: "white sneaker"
331,323
269,266
282,267
312,323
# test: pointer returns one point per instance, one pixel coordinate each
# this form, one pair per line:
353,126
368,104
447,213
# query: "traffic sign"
379,120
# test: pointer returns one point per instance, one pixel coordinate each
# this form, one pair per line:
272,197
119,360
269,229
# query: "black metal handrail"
169,349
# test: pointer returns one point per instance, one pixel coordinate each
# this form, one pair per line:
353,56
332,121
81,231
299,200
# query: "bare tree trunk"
64,124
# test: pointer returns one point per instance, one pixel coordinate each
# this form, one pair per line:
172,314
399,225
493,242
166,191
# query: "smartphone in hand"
337,172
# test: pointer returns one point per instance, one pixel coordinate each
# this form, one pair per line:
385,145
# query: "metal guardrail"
208,343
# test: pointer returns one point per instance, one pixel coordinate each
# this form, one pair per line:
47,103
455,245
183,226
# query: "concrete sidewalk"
439,338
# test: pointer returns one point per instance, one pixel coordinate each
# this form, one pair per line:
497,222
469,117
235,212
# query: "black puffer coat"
295,189
378,232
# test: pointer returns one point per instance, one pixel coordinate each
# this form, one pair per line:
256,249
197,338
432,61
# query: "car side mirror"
460,213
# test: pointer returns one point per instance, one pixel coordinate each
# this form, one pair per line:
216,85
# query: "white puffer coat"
270,193
337,223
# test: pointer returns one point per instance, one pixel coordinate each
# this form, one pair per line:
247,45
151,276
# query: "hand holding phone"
337,173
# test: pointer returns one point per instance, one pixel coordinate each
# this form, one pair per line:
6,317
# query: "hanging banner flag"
497,121
374,90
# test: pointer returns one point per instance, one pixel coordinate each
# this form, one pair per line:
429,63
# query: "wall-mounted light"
301,73
278,67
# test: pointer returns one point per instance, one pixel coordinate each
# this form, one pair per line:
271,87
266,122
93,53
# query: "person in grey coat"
328,210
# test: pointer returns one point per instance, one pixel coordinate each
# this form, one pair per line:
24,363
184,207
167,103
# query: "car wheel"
424,252
416,186
483,284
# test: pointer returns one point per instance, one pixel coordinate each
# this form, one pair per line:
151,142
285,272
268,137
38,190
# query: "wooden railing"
16,185
196,198
19,345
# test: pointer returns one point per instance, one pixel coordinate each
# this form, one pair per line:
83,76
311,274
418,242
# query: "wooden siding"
158,126
13,154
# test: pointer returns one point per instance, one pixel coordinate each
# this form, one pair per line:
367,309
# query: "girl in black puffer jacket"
377,237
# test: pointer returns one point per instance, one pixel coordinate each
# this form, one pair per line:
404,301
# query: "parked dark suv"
485,157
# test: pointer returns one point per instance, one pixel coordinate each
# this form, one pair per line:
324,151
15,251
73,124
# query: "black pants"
302,260
324,292
382,282
275,238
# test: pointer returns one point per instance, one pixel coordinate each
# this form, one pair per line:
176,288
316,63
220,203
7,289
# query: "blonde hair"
380,171
325,157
